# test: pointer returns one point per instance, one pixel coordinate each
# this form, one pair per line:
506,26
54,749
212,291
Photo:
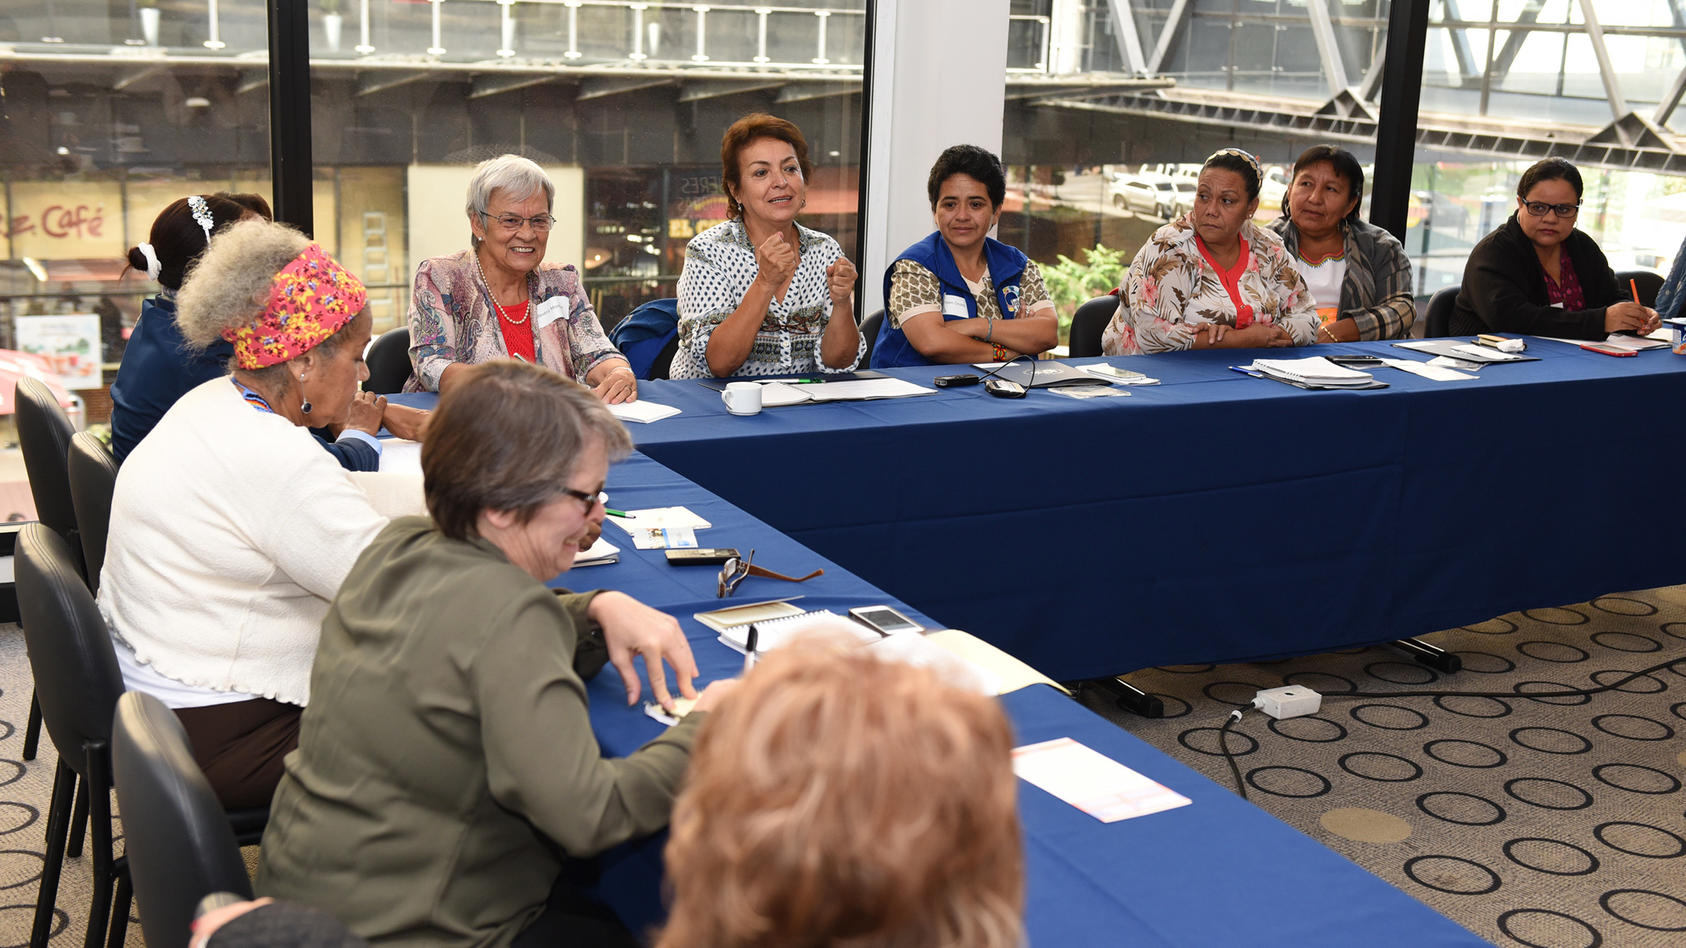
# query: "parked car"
1153,194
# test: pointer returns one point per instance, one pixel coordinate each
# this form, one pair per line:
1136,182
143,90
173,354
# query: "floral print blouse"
1170,291
719,267
452,320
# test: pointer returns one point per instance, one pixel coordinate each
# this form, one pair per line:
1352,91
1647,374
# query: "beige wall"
438,225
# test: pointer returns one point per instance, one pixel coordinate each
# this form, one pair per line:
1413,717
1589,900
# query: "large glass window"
1506,82
623,103
110,112
1096,167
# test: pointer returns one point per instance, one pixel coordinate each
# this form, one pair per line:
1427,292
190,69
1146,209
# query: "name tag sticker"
550,311
955,306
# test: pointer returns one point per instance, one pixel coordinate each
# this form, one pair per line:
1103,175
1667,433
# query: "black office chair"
44,432
77,682
870,328
93,475
388,359
662,364
1088,323
177,840
1648,282
1437,319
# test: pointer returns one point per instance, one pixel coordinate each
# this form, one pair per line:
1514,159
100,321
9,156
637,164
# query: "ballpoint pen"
749,648
618,513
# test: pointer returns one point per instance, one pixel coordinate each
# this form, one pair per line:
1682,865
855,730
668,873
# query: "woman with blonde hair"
837,799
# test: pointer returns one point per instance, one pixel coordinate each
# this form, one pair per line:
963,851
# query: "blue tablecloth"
1217,516
1219,871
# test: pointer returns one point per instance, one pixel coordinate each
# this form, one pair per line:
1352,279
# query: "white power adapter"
1289,701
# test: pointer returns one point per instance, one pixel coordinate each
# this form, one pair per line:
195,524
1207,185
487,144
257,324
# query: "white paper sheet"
1091,781
1428,370
642,411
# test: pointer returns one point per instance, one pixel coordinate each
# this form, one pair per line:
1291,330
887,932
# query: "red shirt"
1231,279
517,331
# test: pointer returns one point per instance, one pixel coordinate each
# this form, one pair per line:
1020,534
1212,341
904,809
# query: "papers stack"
775,394
642,411
1091,781
1313,372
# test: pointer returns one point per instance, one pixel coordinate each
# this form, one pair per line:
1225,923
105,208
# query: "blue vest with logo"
1006,266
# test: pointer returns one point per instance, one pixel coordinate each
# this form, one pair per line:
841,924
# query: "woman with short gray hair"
446,772
500,300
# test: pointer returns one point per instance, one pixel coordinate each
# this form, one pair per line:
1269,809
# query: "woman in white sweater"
231,529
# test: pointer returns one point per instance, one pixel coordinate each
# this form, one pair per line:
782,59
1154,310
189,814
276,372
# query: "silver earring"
304,406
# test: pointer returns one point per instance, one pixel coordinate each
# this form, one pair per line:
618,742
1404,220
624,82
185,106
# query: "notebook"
773,633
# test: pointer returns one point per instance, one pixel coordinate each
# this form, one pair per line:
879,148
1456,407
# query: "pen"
618,513
749,648
1634,286
1244,370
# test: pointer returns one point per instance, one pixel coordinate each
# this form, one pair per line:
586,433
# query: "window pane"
622,103
112,111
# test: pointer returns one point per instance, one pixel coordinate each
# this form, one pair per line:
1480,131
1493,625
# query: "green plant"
1071,284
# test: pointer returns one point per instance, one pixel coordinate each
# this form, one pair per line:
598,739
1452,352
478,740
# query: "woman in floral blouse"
759,292
1213,279
499,300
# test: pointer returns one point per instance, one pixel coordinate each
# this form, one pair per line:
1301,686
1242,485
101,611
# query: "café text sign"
59,220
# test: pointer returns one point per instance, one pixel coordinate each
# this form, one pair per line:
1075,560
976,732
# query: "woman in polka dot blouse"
758,291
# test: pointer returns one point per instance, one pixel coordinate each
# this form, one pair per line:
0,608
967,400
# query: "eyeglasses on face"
1539,208
736,569
589,499
512,222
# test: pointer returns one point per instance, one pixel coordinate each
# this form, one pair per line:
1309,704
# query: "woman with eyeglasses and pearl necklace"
1538,275
499,300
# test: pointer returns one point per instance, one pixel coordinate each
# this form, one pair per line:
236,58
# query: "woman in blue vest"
959,295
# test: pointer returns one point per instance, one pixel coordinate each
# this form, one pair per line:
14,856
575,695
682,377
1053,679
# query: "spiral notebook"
773,633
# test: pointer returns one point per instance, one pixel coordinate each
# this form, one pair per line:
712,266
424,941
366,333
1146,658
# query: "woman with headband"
1213,279
231,530
158,367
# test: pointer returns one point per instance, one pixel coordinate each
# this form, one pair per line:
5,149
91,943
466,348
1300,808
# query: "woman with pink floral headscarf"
231,529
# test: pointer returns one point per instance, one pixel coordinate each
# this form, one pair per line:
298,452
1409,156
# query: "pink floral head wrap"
309,300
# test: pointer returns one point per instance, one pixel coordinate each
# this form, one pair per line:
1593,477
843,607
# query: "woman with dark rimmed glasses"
1538,275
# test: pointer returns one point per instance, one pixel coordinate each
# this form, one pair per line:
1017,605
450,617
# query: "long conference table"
1163,879
1217,516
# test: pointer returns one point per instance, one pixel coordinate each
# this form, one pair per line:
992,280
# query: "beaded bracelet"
991,333
1000,351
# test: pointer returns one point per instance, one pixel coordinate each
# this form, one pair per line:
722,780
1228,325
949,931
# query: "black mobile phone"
952,381
1351,360
701,557
1001,388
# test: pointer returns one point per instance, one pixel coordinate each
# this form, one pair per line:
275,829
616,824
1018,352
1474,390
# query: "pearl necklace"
493,296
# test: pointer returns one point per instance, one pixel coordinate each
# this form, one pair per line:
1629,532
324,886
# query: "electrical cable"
1235,716
1223,745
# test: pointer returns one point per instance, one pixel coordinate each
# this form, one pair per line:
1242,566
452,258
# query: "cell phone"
1002,388
712,556
954,381
885,619
1603,349
1351,360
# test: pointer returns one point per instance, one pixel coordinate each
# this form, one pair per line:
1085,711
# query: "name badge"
955,306
550,311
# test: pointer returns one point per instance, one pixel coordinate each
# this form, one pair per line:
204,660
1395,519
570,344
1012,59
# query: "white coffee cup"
742,398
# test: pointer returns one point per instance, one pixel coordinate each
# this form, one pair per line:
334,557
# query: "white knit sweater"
231,530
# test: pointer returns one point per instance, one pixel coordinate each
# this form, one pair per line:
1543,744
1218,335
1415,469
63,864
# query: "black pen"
749,648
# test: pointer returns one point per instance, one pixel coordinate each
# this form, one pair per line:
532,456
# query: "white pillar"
939,79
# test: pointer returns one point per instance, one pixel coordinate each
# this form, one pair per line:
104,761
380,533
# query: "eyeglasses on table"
738,568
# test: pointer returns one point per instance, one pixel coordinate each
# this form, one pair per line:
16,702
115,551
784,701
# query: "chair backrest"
76,676
1648,282
870,328
1088,323
649,337
44,432
93,476
1437,319
178,841
388,359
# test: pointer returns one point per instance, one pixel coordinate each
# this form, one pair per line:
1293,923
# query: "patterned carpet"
1550,822
1554,822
